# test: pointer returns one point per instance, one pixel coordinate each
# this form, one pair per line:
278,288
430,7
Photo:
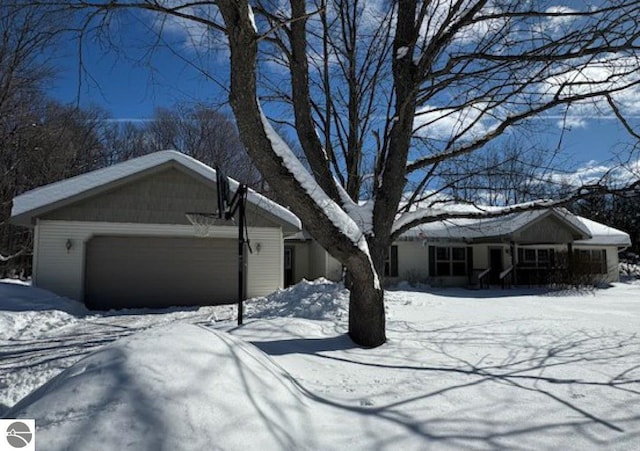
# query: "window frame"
455,267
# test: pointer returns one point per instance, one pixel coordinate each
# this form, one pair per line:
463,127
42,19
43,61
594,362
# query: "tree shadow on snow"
305,345
521,388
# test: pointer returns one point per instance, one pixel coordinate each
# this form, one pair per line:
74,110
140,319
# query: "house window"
458,261
443,261
543,256
529,256
535,257
451,261
592,261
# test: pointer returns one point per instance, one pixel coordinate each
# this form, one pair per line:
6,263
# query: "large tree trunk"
366,305
366,299
321,218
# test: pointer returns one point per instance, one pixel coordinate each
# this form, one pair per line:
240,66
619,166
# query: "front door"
495,263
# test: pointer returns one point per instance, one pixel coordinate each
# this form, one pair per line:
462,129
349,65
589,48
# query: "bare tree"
193,129
205,134
26,38
370,86
512,172
123,141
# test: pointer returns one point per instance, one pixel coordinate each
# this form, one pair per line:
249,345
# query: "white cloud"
446,123
617,74
613,174
612,72
572,122
562,17
193,35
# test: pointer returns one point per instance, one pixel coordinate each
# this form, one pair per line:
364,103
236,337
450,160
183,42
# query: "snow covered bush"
629,271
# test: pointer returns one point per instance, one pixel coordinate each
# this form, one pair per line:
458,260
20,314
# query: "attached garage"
129,271
118,237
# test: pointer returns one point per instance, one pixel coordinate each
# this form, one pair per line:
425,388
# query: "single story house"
118,237
527,248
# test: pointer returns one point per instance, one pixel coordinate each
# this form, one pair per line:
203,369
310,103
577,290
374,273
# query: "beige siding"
55,268
317,259
334,268
300,260
613,262
266,267
480,257
321,264
413,261
311,261
62,271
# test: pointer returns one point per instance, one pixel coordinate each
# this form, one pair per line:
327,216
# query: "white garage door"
123,272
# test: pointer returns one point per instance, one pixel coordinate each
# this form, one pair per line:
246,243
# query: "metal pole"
241,253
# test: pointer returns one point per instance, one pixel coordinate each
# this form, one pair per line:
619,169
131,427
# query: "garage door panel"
126,272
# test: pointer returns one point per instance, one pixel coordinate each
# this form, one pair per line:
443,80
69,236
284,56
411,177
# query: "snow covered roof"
603,235
32,202
592,233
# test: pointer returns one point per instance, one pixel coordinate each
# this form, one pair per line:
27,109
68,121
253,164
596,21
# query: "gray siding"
126,272
156,198
548,230
321,264
311,262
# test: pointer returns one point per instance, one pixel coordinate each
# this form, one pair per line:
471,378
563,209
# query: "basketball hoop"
201,222
227,208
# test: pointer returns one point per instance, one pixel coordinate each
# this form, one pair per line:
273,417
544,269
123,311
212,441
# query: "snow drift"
175,387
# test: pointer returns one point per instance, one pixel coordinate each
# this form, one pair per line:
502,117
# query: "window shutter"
432,261
604,262
393,269
469,260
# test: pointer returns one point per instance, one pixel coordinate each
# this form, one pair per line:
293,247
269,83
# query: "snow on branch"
338,217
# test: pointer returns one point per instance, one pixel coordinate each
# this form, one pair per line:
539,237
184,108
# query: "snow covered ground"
491,369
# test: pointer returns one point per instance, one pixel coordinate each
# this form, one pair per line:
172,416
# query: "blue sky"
130,84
